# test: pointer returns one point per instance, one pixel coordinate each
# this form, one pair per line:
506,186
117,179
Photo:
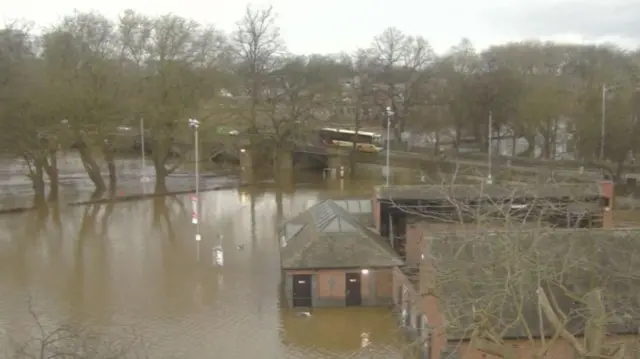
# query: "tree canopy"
88,75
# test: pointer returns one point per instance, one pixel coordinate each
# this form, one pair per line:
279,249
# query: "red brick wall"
606,191
327,276
384,283
414,245
527,349
376,212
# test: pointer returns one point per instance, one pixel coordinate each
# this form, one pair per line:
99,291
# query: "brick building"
397,208
477,294
453,270
330,258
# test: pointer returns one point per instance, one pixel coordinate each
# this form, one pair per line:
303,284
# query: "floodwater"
133,270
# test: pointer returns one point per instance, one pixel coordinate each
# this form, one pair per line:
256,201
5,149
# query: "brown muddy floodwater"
141,269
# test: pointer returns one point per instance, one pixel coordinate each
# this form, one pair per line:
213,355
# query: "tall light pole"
387,167
489,149
603,120
195,125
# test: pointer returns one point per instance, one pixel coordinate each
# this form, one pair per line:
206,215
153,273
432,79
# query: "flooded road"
135,266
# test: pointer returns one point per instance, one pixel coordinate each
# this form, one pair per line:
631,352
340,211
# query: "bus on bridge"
370,142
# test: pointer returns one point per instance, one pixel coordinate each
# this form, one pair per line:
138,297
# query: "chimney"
607,195
414,247
376,211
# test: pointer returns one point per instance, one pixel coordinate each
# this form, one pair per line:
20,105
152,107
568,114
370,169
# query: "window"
339,225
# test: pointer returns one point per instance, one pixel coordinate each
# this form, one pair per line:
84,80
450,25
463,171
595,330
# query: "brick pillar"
431,306
376,212
414,248
606,191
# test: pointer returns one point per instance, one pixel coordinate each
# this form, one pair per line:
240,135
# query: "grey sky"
335,25
591,20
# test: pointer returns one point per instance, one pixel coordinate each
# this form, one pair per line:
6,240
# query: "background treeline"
77,84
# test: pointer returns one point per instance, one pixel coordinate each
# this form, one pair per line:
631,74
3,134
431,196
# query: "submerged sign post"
194,210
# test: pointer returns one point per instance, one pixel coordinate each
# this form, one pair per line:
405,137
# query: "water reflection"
342,333
137,265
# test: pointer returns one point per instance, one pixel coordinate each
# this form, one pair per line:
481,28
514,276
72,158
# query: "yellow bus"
365,141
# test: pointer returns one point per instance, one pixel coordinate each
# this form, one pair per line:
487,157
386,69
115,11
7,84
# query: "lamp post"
195,125
387,168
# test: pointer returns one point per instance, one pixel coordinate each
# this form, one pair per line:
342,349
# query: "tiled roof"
498,272
327,236
487,191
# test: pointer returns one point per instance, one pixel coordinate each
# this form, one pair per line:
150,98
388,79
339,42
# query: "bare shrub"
68,341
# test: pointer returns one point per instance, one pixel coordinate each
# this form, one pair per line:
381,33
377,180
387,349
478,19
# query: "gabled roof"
327,236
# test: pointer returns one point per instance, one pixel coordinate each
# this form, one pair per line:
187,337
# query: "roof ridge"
371,235
533,230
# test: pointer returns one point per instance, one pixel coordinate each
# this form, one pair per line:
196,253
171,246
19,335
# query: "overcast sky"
336,25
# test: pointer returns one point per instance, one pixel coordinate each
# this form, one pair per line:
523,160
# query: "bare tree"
168,57
297,93
24,108
257,45
69,341
506,277
80,55
402,61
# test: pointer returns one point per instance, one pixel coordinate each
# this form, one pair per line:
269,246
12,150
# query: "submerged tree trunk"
160,153
109,157
36,175
51,168
91,166
161,177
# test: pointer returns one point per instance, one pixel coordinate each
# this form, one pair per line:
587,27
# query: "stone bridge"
239,149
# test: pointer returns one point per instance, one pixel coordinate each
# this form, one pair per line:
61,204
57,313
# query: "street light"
195,125
387,168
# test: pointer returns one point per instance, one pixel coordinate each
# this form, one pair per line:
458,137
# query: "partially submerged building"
330,258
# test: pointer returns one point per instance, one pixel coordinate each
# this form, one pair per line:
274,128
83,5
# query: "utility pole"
489,149
603,120
387,167
195,125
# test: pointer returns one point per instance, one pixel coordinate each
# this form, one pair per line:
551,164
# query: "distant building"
330,259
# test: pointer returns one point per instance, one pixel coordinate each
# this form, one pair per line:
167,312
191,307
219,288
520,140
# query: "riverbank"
16,190
76,189
117,198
